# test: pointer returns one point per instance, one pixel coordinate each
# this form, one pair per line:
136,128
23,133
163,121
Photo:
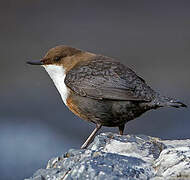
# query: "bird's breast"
57,74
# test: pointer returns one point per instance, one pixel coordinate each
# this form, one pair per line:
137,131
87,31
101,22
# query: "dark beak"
38,62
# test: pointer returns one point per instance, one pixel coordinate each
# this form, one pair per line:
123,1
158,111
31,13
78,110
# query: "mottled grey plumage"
111,94
103,78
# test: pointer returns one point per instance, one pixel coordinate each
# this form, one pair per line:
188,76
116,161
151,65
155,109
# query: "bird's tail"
162,101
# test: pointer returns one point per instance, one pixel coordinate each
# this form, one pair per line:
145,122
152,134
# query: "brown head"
62,56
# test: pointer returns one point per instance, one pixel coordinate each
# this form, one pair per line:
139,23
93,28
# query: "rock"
113,157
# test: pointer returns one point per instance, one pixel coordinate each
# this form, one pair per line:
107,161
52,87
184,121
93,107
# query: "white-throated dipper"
99,89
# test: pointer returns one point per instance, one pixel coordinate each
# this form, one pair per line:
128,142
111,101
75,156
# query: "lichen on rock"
111,156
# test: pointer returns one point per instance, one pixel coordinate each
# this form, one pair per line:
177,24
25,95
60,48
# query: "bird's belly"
106,112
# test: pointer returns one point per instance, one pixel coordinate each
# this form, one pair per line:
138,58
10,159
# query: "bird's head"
57,56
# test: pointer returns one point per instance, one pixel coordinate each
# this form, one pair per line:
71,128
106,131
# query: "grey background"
151,37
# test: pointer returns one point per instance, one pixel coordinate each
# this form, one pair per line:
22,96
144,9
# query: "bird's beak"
37,62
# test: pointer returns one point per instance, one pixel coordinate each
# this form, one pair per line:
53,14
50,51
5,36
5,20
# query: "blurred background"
151,37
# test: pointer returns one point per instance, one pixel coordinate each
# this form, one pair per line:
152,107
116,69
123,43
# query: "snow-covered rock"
111,156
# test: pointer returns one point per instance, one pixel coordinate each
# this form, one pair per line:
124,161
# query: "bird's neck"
71,61
57,74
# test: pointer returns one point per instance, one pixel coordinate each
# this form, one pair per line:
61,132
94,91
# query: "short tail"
162,101
176,104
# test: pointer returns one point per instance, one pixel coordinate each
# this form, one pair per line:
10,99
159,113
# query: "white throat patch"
57,74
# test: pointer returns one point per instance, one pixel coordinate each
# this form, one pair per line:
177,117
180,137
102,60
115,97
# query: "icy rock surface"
113,157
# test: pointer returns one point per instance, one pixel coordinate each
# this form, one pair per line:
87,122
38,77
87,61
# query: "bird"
100,89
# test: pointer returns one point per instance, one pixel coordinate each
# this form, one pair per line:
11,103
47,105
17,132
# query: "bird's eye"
57,58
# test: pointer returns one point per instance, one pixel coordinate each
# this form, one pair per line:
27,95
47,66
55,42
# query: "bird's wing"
104,78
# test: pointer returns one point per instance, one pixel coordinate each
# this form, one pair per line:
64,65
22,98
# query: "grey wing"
103,78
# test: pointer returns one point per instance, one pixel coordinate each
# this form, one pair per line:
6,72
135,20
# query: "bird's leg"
121,129
91,137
